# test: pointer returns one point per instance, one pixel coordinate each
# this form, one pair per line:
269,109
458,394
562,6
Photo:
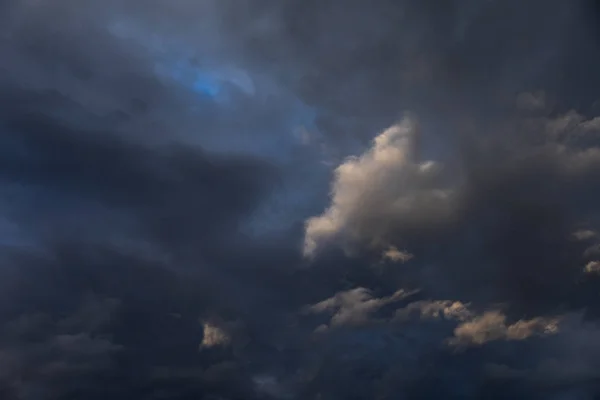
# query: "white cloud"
593,267
385,184
492,325
395,255
355,308
475,329
382,197
214,336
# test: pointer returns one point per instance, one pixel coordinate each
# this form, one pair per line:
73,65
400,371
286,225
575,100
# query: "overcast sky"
299,199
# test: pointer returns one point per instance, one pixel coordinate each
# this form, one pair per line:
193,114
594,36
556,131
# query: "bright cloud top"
388,180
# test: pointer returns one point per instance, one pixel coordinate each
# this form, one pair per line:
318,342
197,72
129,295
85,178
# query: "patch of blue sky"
270,121
204,83
180,71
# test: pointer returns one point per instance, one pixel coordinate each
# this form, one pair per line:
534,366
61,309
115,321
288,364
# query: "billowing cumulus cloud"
291,199
380,190
493,218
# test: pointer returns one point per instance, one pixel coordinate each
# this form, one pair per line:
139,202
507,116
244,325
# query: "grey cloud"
448,336
569,365
386,197
447,309
532,101
42,356
158,161
354,307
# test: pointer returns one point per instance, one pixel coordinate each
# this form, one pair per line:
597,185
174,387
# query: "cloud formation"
494,217
326,199
381,190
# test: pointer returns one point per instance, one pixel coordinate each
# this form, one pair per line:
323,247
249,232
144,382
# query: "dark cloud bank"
299,199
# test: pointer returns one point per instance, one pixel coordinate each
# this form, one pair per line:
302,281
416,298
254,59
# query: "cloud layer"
299,200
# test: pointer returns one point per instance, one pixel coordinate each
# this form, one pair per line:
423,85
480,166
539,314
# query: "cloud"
447,341
395,255
584,234
41,355
165,224
493,326
213,336
446,309
532,101
354,307
387,182
481,215
592,267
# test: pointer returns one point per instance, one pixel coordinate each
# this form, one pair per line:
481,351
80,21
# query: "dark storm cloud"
505,218
104,204
158,161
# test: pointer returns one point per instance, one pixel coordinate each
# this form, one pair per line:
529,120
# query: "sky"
299,199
